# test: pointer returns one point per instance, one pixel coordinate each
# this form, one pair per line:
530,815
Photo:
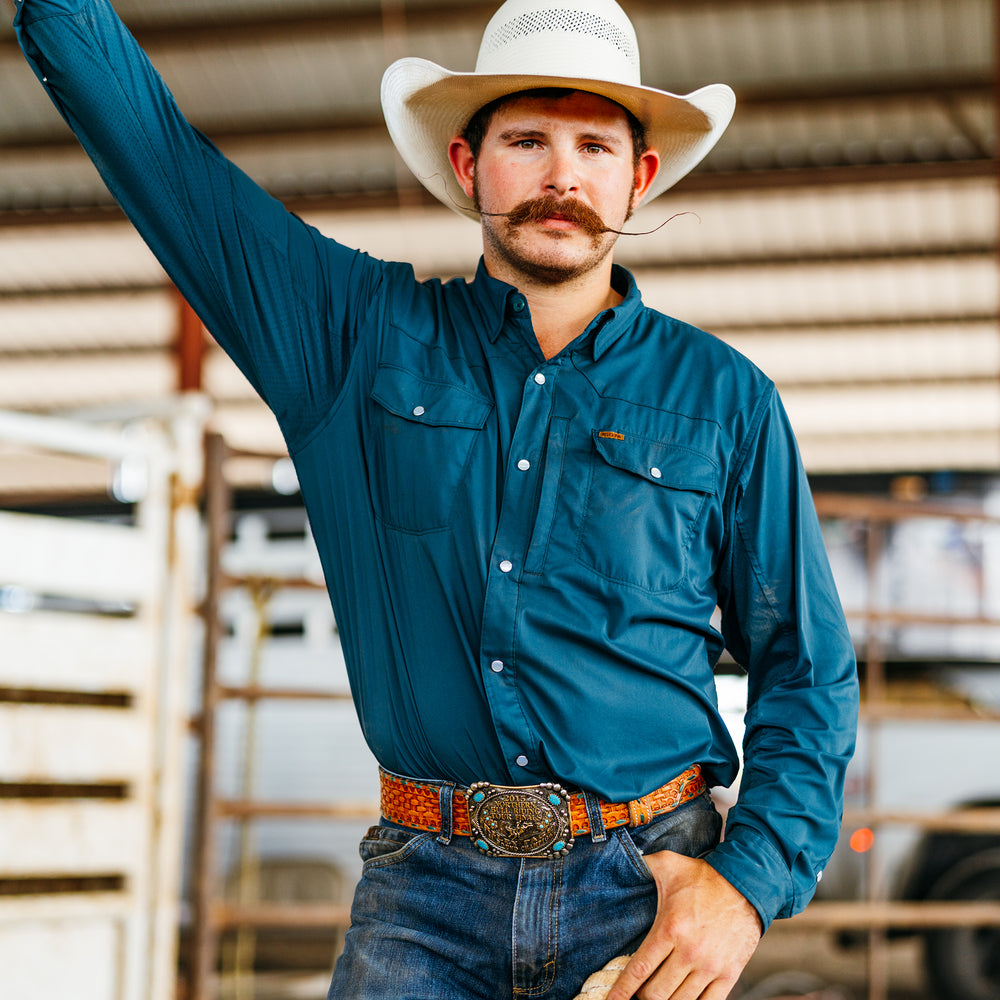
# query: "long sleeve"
783,621
285,302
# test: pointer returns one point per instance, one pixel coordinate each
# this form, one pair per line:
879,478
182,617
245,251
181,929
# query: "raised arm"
276,294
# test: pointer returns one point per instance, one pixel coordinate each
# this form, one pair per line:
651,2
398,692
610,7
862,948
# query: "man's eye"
526,143
594,148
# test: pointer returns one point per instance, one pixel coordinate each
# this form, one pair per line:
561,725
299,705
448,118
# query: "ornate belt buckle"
530,821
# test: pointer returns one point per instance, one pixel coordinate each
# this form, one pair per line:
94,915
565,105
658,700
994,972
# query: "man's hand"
704,934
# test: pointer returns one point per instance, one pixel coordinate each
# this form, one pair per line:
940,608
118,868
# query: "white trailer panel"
73,837
90,824
67,743
70,557
61,959
66,652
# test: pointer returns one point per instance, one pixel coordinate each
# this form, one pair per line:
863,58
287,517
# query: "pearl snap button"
522,761
506,566
655,473
418,411
540,378
497,666
524,465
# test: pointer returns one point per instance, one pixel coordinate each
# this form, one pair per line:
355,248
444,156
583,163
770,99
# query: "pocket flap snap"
425,401
660,462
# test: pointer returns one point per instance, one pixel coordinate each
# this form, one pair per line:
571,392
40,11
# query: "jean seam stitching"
553,935
633,853
402,854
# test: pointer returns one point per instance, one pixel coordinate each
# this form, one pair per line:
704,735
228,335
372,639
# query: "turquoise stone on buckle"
525,821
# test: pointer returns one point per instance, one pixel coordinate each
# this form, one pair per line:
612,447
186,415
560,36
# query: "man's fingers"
640,969
628,982
667,984
719,989
693,988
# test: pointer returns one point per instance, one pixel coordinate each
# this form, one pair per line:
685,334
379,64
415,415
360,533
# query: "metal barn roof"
843,233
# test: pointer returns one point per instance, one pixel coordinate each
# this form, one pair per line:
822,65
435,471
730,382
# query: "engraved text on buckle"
520,822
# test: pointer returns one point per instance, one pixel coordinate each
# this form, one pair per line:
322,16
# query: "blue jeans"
434,919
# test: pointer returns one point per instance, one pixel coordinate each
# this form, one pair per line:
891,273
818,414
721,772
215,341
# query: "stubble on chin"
545,257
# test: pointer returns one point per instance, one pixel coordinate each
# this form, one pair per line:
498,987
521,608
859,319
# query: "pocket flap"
661,462
437,404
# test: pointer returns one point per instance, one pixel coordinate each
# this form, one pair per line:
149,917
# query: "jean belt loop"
597,832
446,795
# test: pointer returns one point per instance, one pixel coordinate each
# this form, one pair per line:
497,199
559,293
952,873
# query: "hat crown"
587,45
561,39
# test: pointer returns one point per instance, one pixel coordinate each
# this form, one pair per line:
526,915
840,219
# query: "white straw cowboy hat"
585,45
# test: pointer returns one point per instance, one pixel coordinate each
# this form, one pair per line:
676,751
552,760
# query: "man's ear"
645,174
463,163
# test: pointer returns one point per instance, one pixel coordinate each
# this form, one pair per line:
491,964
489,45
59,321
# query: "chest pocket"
423,434
644,502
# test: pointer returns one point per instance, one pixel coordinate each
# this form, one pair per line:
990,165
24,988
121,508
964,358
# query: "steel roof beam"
281,129
284,22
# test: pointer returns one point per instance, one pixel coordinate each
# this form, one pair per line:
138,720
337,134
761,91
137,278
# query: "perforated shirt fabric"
524,555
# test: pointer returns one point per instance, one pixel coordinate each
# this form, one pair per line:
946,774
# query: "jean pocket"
692,830
385,845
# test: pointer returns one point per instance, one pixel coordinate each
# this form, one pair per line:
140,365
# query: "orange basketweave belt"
417,804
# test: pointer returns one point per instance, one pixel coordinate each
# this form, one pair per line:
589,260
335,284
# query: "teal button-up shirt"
525,556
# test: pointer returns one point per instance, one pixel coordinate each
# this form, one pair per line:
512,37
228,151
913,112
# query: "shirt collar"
615,321
493,297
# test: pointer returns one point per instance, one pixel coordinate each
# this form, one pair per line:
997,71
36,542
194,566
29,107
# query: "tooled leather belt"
524,821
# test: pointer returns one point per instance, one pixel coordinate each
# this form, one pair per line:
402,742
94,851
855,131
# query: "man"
530,494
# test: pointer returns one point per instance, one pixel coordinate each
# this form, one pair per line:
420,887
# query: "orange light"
862,840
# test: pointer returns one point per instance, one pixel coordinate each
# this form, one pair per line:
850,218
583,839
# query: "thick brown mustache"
539,209
549,206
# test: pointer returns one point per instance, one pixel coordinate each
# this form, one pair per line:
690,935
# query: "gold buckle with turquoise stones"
521,821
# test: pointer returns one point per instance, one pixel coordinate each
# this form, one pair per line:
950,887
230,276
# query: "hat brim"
426,106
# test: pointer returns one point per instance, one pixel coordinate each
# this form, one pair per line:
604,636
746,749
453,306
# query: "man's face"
574,150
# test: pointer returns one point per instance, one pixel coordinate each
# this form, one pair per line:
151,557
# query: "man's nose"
562,178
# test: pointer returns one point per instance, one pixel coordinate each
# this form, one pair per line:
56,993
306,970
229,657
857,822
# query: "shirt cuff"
753,865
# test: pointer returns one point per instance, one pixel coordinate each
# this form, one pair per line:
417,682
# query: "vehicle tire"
963,963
